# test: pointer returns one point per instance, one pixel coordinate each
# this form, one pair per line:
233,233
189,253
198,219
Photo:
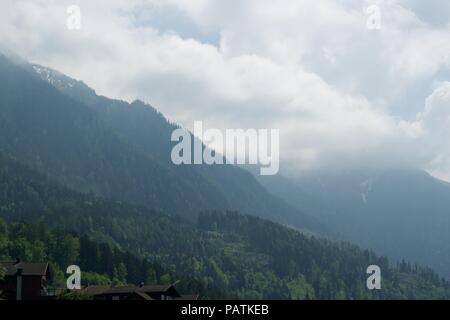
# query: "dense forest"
223,255
410,209
101,264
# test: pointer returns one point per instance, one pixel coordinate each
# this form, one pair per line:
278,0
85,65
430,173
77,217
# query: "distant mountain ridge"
403,213
61,128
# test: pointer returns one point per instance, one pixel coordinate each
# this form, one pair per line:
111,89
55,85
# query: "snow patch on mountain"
366,188
55,78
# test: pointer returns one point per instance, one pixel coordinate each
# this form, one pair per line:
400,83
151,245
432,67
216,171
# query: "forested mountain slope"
227,254
400,213
118,150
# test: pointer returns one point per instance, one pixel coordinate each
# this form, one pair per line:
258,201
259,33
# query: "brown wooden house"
24,280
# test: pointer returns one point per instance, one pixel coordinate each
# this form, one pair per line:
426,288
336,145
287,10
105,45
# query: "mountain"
402,213
62,129
222,254
85,179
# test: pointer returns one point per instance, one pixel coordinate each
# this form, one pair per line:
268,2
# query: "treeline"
328,270
227,255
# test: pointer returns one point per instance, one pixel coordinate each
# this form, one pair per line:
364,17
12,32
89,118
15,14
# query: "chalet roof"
188,297
28,268
160,289
143,295
101,290
95,290
156,288
116,290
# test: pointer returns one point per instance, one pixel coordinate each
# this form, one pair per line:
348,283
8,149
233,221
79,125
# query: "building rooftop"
28,268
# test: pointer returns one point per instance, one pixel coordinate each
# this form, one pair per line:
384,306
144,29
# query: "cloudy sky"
341,93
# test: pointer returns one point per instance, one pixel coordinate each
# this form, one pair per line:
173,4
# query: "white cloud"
435,126
339,92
